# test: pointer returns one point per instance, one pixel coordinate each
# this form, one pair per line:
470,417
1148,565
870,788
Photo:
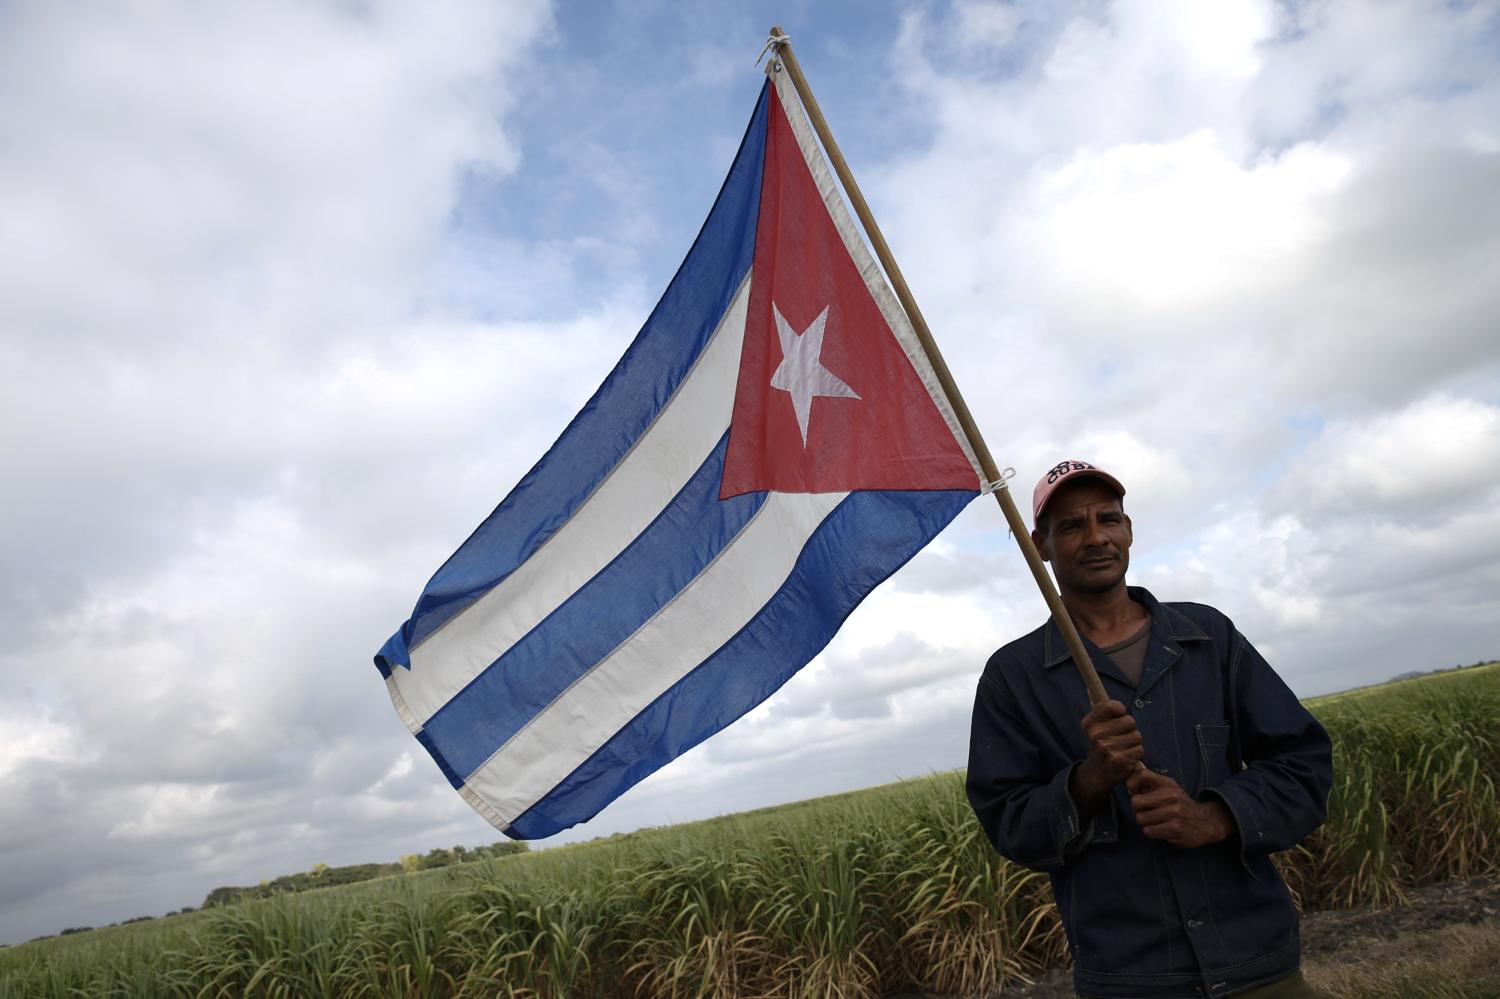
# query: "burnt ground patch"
1354,936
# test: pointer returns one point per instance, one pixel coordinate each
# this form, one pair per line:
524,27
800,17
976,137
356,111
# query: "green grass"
859,894
1393,691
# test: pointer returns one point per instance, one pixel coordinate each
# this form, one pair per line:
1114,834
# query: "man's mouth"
1098,561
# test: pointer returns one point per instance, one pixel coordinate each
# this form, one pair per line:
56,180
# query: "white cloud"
1373,554
1139,40
987,23
36,738
166,809
1164,227
1408,465
216,229
203,166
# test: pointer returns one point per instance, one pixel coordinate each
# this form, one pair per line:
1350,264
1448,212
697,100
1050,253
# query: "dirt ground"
1356,936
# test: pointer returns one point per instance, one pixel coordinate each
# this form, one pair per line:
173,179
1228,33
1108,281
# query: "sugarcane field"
889,891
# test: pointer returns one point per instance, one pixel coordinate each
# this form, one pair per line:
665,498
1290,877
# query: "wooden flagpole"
782,51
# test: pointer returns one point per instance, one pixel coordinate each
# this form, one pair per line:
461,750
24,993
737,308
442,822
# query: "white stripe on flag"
623,505
707,613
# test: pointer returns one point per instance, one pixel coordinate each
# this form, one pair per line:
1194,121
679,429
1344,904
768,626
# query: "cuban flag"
772,446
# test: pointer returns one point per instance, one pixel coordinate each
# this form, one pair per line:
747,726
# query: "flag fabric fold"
771,446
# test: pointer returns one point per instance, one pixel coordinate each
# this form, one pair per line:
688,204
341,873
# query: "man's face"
1087,538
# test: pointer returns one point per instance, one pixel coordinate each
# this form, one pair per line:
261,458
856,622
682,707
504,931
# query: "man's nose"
1093,532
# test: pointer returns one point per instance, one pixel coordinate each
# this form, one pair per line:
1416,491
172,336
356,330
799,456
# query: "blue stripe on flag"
437,758
638,388
685,537
869,536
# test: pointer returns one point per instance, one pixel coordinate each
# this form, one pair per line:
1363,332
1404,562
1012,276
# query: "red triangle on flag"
841,408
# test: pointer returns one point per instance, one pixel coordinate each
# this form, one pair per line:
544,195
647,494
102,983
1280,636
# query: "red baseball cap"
1063,472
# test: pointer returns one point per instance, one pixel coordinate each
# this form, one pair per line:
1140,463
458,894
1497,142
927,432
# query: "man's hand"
1165,812
1115,749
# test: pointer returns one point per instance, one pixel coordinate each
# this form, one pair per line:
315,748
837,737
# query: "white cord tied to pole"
1006,474
1002,483
771,43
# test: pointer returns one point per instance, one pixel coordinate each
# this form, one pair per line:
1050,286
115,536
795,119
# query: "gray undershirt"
1130,655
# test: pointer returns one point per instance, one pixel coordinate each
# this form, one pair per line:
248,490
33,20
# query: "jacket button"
1140,703
1194,924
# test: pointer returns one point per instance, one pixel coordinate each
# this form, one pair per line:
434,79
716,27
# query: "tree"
506,847
411,863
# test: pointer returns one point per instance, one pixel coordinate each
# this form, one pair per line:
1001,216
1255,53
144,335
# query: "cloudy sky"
291,294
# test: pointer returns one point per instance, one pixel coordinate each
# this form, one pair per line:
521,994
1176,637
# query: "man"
1157,813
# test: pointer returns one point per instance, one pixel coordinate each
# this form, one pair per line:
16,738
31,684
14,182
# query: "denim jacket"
1144,918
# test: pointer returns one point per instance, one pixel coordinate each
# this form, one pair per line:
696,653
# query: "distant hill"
323,876
1414,674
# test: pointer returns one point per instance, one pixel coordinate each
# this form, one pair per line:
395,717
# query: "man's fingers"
1144,780
1108,709
1115,743
1155,812
1153,800
1103,713
1122,762
1141,781
1122,740
1158,819
1171,832
1114,728
1153,797
1121,751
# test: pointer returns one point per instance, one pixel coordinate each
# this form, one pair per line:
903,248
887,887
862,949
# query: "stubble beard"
1094,585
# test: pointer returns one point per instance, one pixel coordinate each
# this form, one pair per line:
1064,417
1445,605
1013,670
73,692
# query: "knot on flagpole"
1003,482
772,42
1006,474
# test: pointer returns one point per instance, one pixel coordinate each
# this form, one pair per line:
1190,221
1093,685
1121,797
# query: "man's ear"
1040,540
1129,527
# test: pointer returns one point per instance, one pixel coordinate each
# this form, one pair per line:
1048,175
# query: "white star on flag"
801,373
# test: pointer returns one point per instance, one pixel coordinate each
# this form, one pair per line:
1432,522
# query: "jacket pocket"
1213,755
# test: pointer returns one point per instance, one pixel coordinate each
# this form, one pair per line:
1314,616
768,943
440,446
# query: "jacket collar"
1165,622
